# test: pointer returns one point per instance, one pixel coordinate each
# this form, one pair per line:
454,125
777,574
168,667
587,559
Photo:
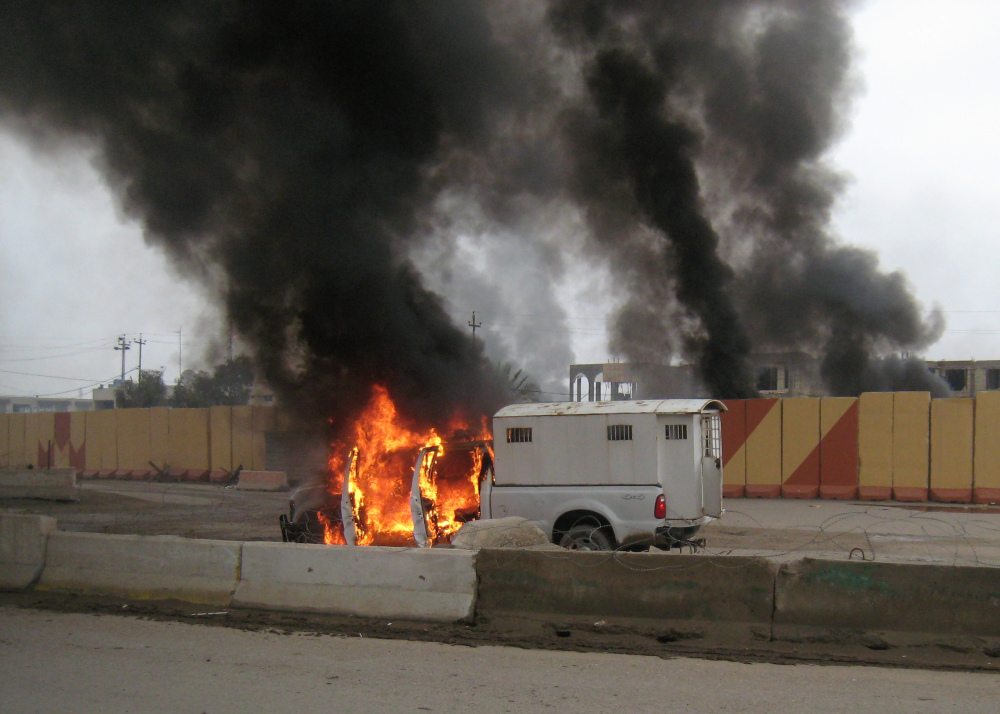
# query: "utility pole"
123,345
140,342
180,366
473,324
230,341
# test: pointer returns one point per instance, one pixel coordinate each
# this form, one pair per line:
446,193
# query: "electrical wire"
58,356
47,376
86,386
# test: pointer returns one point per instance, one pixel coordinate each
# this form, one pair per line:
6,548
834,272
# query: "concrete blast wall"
887,445
133,443
142,567
724,595
726,598
418,584
899,445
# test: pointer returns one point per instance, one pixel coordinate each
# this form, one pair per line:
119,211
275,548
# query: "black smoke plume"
285,143
714,117
296,155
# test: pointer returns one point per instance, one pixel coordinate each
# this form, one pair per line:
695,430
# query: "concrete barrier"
829,599
262,481
47,484
732,594
142,567
406,583
22,549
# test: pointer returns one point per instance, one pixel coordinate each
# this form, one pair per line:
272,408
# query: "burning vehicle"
592,476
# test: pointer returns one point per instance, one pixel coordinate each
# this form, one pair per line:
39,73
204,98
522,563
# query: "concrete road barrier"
22,549
262,481
142,567
734,594
824,598
406,583
47,484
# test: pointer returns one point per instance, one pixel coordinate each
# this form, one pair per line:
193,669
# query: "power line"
47,376
48,357
86,386
11,348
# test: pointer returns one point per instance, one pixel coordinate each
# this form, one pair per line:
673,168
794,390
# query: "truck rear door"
711,465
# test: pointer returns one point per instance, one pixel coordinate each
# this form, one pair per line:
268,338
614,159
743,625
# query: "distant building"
787,374
261,395
968,378
31,405
617,381
104,397
779,374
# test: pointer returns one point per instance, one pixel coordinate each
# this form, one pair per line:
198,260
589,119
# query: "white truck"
591,475
602,475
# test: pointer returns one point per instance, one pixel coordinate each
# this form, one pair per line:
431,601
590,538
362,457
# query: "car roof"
638,406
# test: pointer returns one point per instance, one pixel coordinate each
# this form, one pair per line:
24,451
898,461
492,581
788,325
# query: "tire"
587,536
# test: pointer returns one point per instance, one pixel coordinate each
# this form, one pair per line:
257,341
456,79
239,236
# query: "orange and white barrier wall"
894,445
986,456
133,443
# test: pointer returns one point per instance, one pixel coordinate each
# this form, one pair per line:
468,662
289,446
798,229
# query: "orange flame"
382,451
331,534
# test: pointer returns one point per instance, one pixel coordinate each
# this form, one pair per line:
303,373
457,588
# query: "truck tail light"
660,507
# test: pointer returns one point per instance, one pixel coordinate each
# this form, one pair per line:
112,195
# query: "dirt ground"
779,529
541,632
100,663
150,508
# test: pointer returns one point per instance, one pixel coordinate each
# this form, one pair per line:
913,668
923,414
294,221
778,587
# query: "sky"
921,155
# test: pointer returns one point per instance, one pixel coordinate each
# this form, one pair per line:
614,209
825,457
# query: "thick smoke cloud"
278,148
305,158
747,98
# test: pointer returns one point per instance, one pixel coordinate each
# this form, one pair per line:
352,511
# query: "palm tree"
519,384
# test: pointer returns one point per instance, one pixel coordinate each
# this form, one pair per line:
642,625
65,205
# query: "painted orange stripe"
986,495
762,490
839,451
909,493
61,429
808,491
800,432
807,473
757,411
874,493
951,495
734,428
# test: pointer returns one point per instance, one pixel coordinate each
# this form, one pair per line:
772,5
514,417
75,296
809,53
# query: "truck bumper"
676,536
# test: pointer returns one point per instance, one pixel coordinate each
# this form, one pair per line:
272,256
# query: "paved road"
87,663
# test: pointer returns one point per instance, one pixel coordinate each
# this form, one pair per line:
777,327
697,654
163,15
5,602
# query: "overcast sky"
922,155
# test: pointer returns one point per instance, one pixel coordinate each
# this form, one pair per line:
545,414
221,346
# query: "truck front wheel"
587,536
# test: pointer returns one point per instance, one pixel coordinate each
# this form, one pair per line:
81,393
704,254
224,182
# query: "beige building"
33,405
779,374
968,378
787,374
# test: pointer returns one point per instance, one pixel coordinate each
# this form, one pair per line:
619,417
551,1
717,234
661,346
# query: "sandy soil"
780,529
54,661
542,632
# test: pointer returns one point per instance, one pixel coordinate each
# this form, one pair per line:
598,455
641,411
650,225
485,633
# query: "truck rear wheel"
586,536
